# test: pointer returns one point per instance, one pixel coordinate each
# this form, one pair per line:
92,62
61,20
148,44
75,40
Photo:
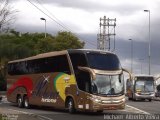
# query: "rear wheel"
100,111
26,102
19,102
150,100
71,107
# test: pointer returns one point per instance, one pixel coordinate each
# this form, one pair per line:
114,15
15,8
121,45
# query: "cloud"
82,18
120,6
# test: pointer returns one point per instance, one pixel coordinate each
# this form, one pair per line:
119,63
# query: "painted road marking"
137,110
32,114
45,117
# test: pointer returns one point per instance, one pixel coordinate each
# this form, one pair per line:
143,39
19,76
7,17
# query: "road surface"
133,109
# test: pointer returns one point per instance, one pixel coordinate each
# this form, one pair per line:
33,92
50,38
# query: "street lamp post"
45,25
149,51
131,55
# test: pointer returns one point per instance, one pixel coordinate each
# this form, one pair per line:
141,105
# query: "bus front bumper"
144,96
109,105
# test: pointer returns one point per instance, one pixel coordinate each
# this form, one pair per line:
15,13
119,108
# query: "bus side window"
78,59
83,78
83,81
44,65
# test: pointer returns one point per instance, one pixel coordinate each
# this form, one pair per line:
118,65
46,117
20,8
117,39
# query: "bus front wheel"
150,100
71,107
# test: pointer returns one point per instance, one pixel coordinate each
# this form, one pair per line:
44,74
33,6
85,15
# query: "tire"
150,100
71,107
100,111
26,102
130,98
20,102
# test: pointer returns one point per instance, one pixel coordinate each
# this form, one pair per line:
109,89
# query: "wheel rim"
26,103
70,106
19,101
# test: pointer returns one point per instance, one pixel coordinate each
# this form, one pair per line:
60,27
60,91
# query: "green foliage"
14,45
66,40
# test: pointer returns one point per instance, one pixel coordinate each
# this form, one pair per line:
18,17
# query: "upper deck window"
42,65
103,61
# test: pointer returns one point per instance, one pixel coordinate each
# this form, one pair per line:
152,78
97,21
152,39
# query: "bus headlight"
123,100
97,100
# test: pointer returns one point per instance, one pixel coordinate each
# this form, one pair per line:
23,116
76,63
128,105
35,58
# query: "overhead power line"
40,3
57,20
46,14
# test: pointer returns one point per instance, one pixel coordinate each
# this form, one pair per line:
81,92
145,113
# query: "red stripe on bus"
22,82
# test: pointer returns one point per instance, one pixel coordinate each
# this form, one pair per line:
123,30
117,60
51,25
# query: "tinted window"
17,68
43,65
103,61
145,78
78,59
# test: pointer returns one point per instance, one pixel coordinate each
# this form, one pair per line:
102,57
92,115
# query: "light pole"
131,55
45,25
149,51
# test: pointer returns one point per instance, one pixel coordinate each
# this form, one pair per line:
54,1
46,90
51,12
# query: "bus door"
84,85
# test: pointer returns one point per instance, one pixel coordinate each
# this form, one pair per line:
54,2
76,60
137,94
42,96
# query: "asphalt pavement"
132,110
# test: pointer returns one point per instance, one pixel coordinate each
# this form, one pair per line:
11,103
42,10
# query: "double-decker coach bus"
141,87
83,80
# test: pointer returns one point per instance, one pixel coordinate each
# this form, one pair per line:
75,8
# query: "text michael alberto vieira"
132,117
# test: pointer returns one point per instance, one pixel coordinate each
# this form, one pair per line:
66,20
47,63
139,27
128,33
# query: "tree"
66,40
6,15
45,45
15,46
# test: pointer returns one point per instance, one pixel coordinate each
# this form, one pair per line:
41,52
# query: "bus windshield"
108,84
103,61
145,85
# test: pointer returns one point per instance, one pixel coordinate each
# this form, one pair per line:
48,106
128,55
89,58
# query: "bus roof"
55,53
43,55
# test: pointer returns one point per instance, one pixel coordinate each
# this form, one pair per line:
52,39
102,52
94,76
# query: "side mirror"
86,69
127,71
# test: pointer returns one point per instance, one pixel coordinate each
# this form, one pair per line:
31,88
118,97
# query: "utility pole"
149,43
107,29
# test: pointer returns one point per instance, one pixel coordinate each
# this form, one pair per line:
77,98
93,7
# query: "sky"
82,18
